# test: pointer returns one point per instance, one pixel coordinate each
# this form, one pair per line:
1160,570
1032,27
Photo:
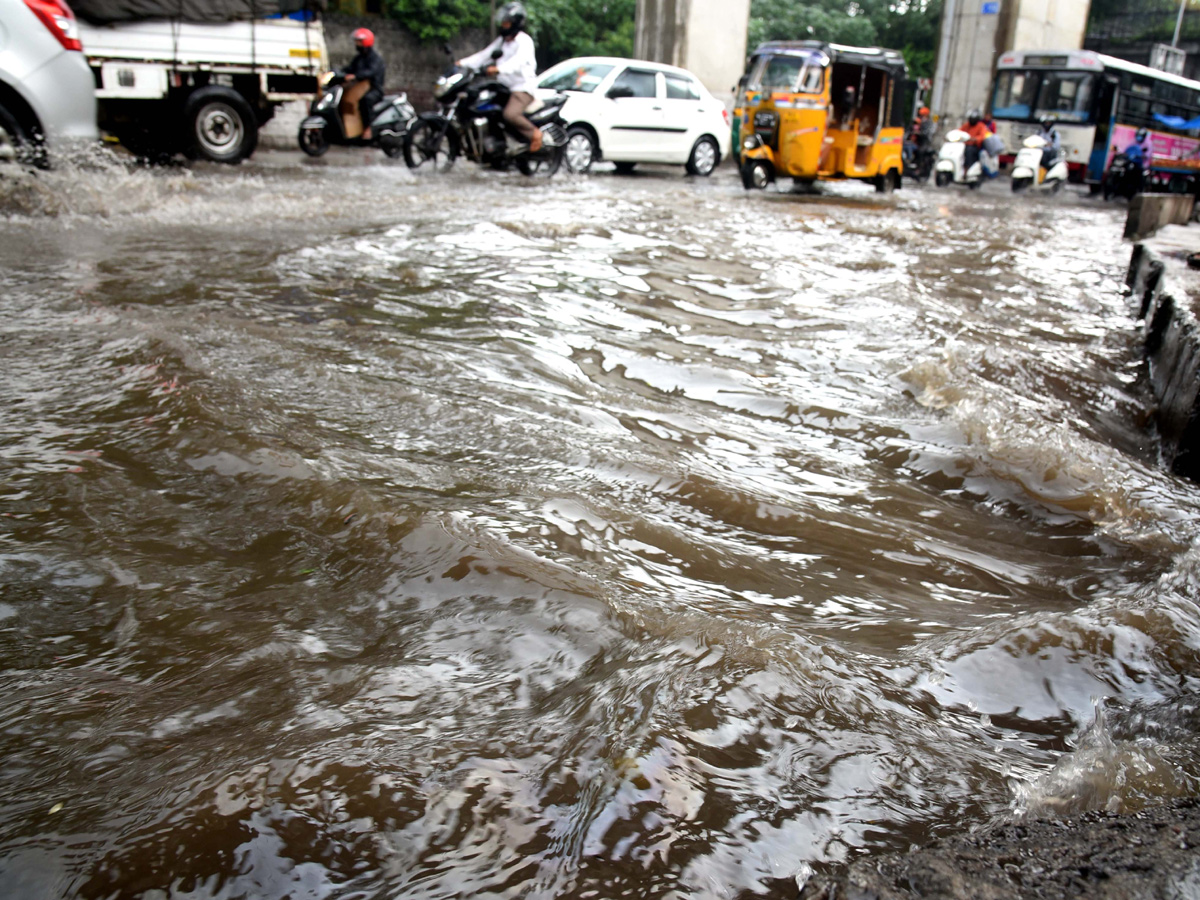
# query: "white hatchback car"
47,93
628,111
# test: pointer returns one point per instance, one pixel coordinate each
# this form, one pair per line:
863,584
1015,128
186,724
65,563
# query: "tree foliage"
910,27
432,21
560,28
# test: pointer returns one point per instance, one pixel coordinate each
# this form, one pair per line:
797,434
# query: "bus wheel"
756,174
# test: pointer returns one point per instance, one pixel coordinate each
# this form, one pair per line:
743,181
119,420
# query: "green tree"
432,21
560,28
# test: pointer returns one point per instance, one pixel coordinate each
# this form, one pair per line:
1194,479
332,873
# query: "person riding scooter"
367,66
978,132
1050,135
510,60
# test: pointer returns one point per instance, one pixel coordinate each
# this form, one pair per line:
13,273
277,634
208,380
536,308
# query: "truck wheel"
221,125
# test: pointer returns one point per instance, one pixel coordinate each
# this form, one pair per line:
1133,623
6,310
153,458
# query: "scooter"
1027,168
951,165
334,119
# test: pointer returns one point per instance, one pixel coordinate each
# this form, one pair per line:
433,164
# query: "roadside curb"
1166,293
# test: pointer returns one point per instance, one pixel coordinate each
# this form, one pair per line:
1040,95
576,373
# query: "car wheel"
625,168
756,174
313,141
13,141
423,149
221,125
704,158
581,150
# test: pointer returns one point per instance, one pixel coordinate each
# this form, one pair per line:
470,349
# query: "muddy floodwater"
366,536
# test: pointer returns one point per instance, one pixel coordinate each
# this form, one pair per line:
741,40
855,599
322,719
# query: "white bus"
1099,103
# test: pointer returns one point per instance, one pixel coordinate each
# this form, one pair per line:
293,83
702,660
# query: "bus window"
1066,95
1014,95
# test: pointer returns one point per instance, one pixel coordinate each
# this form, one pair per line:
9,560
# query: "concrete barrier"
1150,212
1166,293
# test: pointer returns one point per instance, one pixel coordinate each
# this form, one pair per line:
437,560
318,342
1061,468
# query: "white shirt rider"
516,68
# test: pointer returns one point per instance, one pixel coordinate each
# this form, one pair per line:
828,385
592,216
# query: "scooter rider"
979,133
515,68
367,65
1053,142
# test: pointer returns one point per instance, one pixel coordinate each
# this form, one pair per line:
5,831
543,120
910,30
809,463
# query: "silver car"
47,94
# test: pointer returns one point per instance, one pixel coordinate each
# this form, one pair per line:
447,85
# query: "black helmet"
974,116
1141,135
510,19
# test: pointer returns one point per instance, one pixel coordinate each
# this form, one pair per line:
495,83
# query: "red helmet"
364,36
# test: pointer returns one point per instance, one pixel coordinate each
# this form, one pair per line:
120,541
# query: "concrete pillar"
707,37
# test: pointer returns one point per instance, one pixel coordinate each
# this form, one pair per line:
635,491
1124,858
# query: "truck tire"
220,125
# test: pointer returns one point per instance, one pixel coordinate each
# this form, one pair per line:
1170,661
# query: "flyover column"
707,37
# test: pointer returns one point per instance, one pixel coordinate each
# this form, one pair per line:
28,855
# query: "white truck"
198,78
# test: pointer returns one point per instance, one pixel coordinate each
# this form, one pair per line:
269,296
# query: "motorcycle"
951,167
1124,177
334,119
918,161
471,123
1027,170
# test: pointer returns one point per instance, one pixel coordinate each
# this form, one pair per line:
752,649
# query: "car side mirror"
619,91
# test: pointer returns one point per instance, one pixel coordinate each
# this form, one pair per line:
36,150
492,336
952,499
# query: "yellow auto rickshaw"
810,110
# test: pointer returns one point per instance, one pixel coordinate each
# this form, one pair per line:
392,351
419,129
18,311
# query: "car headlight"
751,142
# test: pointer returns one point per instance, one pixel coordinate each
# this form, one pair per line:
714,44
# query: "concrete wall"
973,36
707,37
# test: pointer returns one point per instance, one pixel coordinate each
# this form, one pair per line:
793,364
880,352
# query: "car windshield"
585,77
789,73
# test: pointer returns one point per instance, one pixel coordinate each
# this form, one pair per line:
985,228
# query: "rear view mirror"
619,91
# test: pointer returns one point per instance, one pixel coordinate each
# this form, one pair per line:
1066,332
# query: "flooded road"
371,536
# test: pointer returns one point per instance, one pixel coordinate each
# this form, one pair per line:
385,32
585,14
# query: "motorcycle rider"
515,68
1139,151
367,65
1050,135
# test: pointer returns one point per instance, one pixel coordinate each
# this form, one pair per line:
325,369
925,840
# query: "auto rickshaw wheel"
887,182
756,174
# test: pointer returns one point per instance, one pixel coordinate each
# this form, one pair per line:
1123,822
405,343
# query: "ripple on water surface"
372,535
